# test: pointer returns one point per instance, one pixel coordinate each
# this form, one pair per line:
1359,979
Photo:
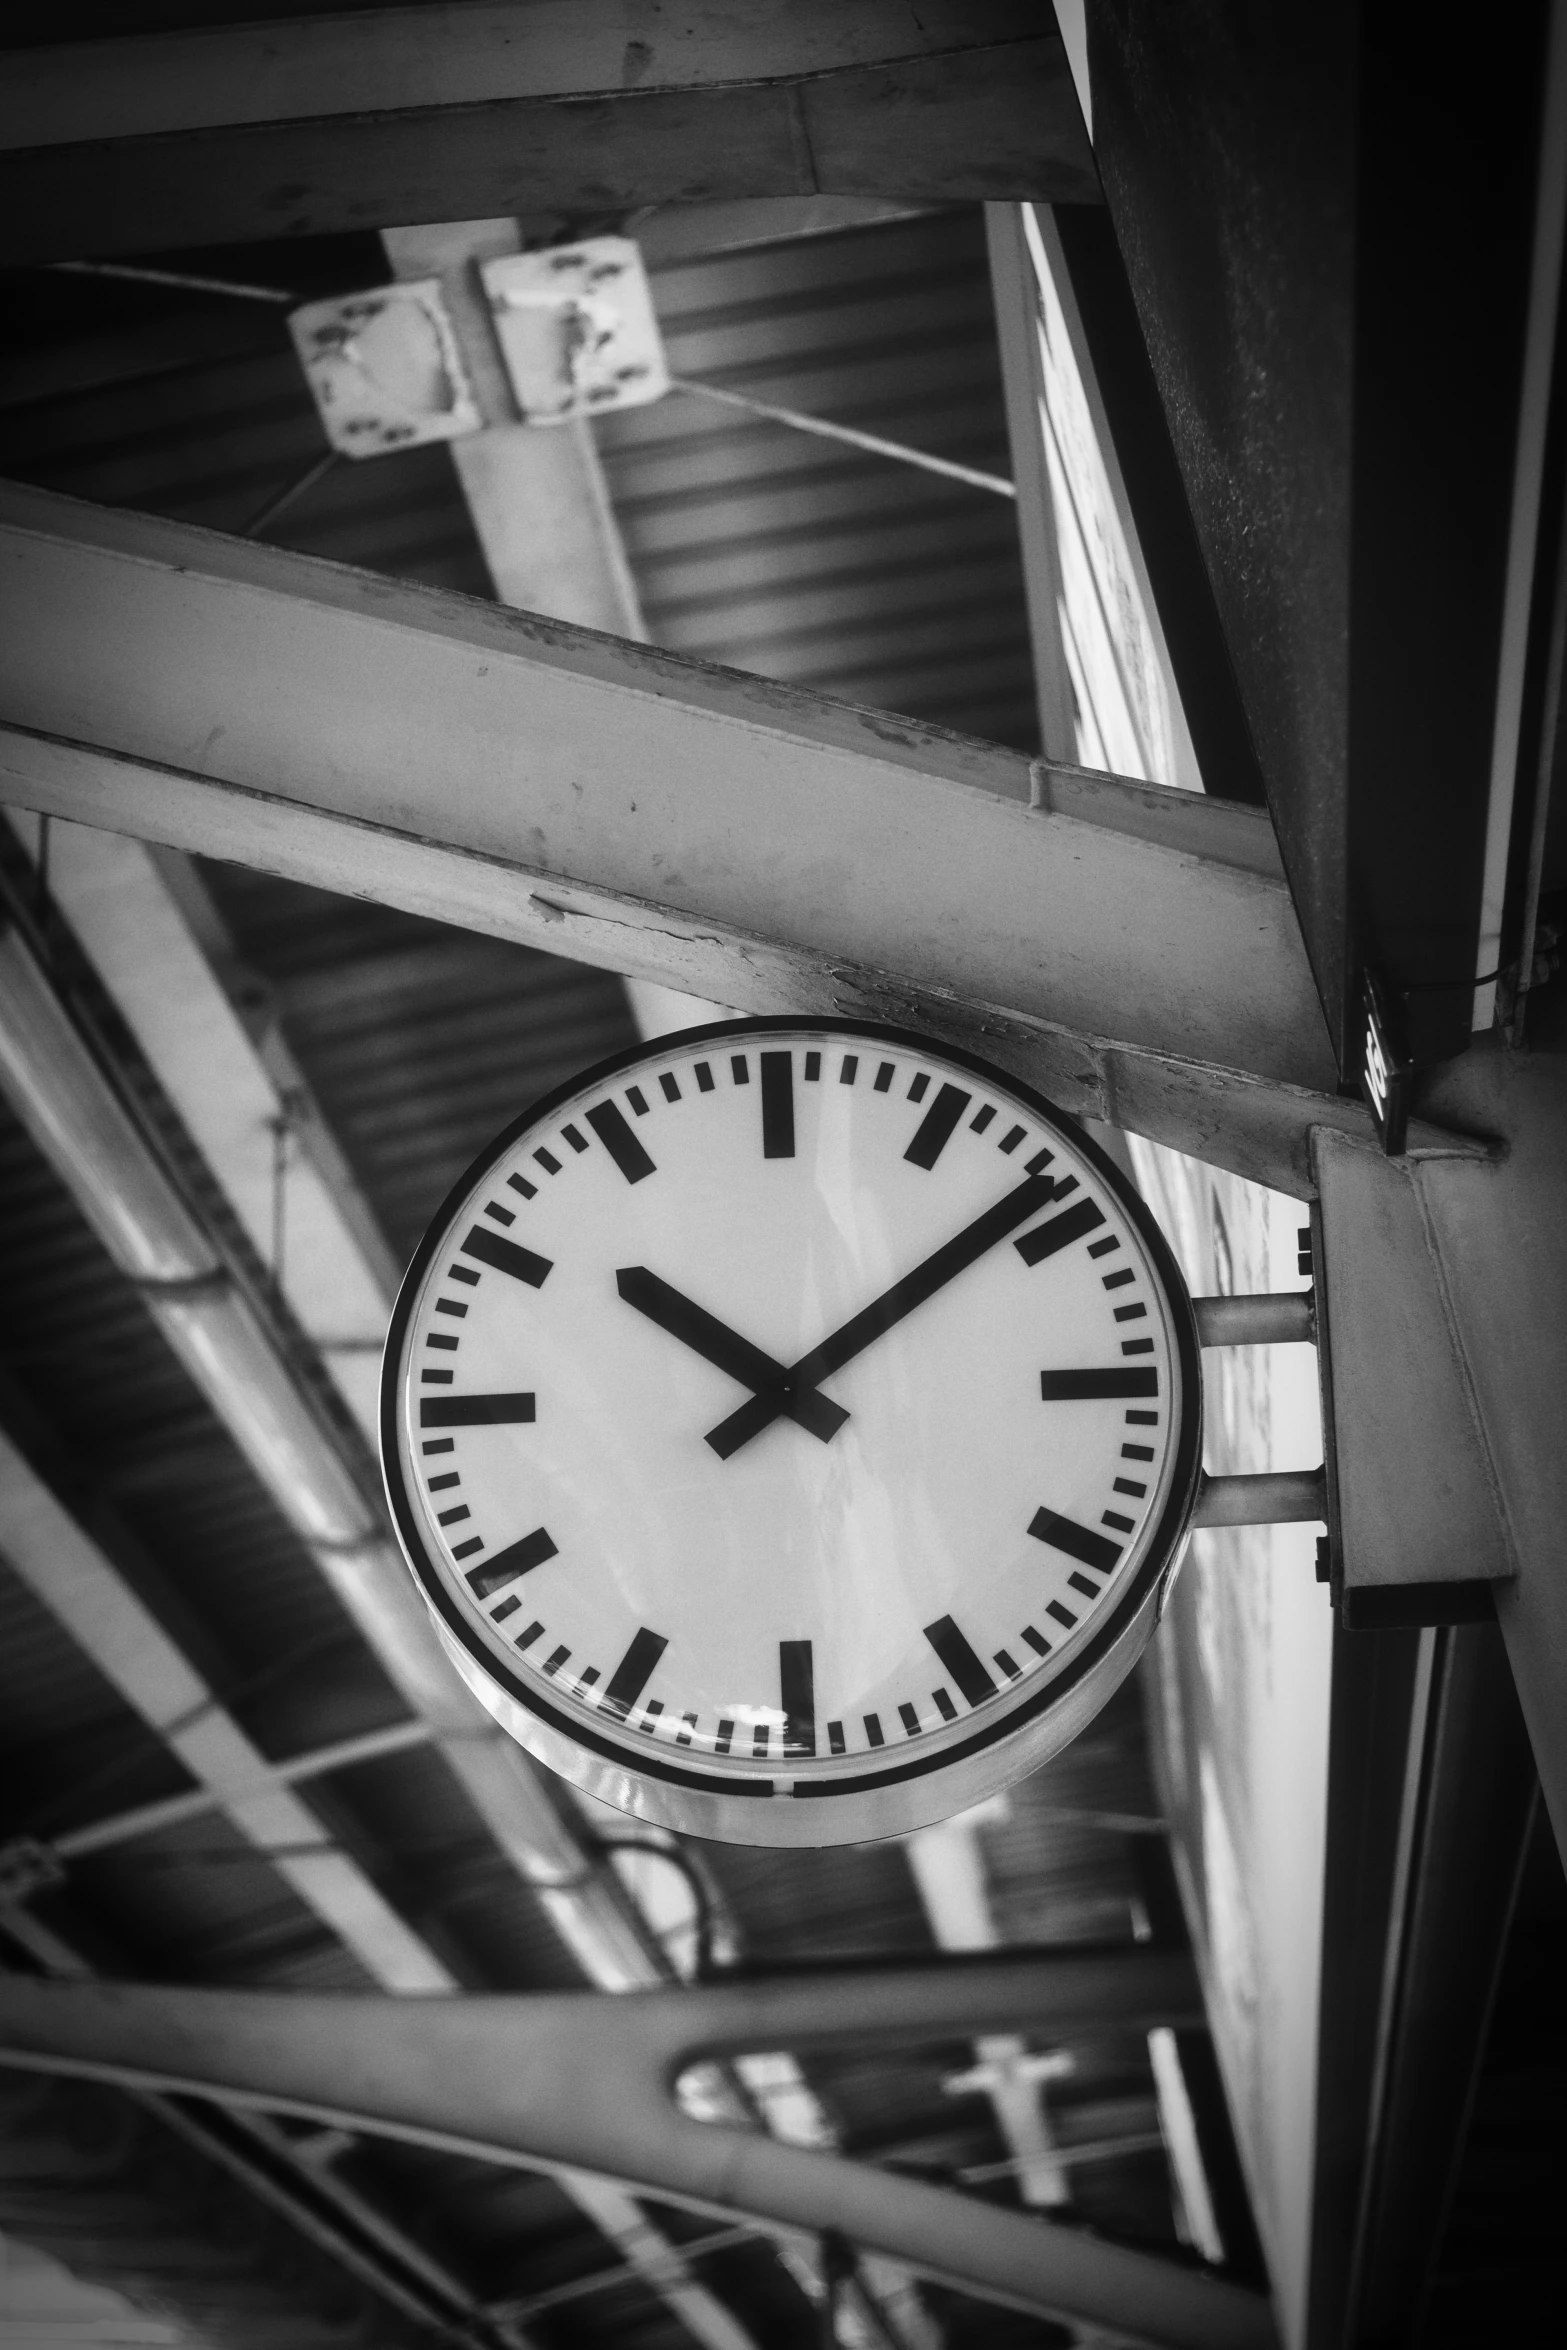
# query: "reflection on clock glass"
785,1400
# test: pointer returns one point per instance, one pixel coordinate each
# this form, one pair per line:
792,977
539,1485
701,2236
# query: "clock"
793,1426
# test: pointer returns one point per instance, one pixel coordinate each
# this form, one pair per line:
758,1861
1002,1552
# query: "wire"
178,278
845,432
315,471
1424,986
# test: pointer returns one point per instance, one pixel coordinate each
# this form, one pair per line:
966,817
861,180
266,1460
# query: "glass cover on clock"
786,1403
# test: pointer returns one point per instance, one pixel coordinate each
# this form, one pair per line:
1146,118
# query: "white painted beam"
554,108
948,1867
538,497
392,60
1132,949
67,1571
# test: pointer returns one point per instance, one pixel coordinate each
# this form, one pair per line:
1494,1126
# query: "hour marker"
1007,1664
777,1105
1084,1386
1085,1584
1010,1141
638,1100
687,1725
960,1660
1036,1640
835,1740
1063,1615
633,1673
1112,1518
440,1443
453,1517
518,1558
548,1161
552,1664
760,1734
725,1738
475,1411
492,1207
1059,1232
813,1068
797,1696
1137,1346
742,1076
936,1128
1142,1420
442,1340
527,1638
1134,1313
944,1705
1129,1484
978,1125
670,1084
920,1086
451,1305
465,1274
1078,1542
443,1484
521,1183
884,1076
608,1122
1118,1280
1137,1452
465,1550
850,1069
873,1730
507,1256
576,1140
908,1715
704,1084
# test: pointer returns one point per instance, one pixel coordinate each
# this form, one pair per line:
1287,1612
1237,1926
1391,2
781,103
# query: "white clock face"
795,1411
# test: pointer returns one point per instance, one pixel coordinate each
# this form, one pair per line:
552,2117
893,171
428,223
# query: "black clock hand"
717,1344
940,1267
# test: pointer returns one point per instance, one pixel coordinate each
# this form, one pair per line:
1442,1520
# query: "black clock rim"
1125,1608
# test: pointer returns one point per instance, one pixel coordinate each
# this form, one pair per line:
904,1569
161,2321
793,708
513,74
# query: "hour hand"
727,1351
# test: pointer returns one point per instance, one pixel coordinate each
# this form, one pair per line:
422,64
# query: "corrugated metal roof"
759,547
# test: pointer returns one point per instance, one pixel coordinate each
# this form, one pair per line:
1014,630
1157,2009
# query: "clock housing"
793,1427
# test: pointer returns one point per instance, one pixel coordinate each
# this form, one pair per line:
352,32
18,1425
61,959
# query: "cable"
845,432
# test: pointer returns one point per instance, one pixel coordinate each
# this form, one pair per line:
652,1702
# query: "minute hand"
852,1337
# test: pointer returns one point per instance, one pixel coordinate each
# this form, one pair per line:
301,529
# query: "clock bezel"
901,1794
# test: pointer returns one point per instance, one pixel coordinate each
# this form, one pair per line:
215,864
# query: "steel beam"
1131,949
567,106
576,2082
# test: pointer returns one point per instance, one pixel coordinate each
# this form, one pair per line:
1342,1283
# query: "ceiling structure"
232,1757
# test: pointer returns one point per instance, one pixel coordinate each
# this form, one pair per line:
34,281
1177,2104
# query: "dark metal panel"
1326,227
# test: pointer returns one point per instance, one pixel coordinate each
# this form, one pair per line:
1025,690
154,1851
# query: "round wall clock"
793,1426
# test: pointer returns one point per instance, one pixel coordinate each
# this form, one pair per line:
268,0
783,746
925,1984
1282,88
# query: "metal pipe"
1281,1497
571,2082
1279,1317
172,1811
